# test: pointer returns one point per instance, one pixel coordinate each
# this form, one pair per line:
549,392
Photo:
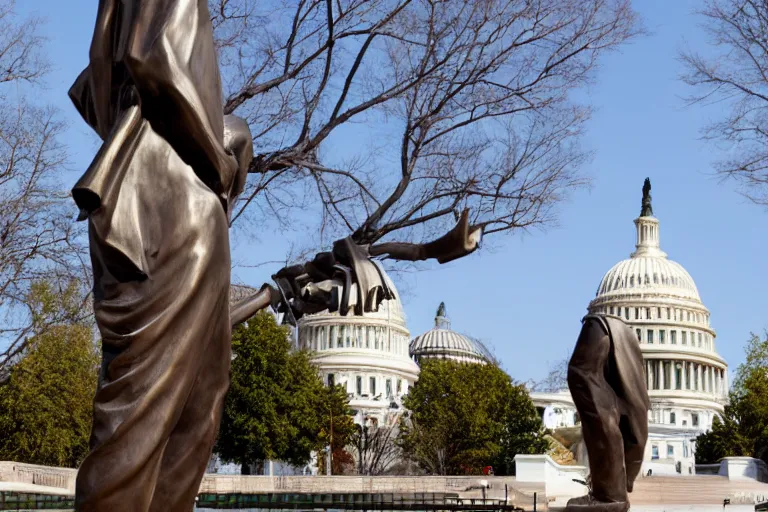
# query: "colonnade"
686,375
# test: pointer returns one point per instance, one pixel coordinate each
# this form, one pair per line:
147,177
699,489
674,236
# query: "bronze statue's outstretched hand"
347,277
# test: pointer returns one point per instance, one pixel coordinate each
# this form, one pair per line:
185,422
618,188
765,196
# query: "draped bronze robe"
607,382
156,197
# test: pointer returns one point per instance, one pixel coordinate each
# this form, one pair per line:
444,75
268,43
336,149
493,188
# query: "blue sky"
525,298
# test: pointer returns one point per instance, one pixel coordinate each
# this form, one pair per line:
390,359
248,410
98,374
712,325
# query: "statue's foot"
590,504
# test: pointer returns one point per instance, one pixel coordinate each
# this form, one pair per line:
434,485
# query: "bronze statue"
607,382
647,210
157,198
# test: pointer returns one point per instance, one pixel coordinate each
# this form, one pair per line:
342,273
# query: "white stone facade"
556,409
366,354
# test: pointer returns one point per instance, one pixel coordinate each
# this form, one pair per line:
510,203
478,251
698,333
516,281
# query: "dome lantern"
647,226
441,318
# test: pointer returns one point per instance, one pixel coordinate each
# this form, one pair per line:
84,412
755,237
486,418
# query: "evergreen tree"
46,405
743,429
277,407
464,417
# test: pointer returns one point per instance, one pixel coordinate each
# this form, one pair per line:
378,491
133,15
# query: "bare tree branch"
738,76
467,105
38,238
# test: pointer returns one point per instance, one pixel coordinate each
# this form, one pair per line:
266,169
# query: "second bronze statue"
607,382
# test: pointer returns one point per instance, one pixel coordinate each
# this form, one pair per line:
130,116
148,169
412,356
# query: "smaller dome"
441,342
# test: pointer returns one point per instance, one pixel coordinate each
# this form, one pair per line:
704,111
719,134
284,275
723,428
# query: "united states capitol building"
375,359
687,379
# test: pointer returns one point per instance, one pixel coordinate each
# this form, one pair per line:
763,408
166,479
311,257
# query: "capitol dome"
648,274
687,379
441,342
367,354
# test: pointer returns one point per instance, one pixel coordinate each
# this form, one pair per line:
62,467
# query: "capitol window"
650,335
694,419
669,312
673,337
331,380
685,337
399,386
662,332
670,451
672,418
626,313
389,388
611,310
699,340
639,335
637,313
648,313
359,385
654,452
372,386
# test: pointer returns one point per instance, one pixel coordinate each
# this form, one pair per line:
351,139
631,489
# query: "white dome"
367,354
441,342
648,274
686,378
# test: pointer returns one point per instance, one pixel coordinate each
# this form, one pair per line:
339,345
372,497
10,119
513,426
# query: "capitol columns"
690,376
673,375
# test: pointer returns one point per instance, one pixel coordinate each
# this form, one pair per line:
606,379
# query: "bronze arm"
249,306
462,240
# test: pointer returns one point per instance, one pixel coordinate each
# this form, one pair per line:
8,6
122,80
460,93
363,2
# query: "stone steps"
692,490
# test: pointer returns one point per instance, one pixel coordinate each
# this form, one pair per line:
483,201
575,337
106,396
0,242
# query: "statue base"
590,504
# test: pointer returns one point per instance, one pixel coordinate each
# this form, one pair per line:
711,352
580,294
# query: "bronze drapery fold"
157,198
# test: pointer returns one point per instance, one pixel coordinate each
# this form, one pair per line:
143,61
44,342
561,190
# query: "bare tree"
37,235
737,75
374,449
556,379
466,104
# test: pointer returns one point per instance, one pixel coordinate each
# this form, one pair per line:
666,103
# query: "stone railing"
466,487
63,478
